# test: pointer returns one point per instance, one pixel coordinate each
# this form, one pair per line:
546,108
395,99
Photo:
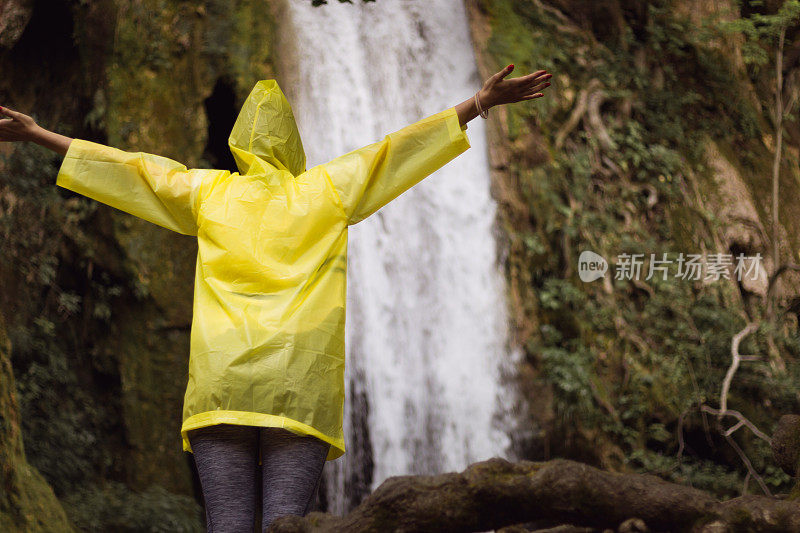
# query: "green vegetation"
629,360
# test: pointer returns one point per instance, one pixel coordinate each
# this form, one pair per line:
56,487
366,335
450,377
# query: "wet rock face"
14,16
786,444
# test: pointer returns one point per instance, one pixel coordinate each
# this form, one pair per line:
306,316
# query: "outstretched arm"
151,187
498,91
368,178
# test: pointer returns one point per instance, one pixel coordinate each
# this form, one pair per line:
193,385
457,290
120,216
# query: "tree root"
578,111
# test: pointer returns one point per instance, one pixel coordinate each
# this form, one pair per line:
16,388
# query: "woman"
266,370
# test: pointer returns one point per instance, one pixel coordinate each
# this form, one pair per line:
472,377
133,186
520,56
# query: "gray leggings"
227,459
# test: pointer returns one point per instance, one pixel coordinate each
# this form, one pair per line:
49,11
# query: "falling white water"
427,331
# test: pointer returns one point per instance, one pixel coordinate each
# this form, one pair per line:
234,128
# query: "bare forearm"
467,110
49,139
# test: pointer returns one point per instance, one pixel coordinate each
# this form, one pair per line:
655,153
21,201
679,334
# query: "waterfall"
427,330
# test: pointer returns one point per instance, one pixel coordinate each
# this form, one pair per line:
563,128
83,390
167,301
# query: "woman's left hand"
497,91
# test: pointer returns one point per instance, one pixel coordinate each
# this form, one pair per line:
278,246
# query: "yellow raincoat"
267,338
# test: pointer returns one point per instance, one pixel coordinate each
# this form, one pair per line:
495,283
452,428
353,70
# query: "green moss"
32,506
114,507
157,85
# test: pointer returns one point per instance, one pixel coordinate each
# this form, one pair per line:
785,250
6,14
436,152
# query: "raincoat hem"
242,418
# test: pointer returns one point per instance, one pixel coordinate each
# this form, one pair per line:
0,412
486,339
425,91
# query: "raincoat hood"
265,131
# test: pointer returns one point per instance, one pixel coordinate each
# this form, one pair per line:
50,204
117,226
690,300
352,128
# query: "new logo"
591,266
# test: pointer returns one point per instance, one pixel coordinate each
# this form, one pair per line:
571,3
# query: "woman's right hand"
20,127
17,126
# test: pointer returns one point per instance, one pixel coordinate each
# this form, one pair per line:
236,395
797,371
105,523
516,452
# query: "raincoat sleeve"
368,178
155,188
